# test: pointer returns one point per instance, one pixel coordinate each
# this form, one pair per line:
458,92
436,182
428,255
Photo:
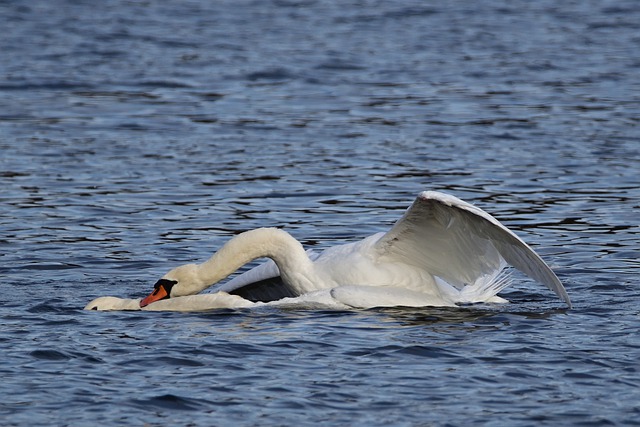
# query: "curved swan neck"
280,246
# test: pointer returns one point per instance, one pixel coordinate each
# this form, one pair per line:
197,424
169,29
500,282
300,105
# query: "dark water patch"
49,355
164,84
38,86
118,95
340,65
11,174
168,362
270,74
203,119
169,402
53,305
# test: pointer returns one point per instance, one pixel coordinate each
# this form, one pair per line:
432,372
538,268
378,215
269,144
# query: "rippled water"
137,136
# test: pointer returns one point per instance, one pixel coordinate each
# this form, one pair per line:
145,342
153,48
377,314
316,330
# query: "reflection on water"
139,136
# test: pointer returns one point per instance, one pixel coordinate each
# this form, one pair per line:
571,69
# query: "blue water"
137,136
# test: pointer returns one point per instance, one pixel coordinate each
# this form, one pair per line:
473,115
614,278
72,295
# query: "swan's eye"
162,290
166,284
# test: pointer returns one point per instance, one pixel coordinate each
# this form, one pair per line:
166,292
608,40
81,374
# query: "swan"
441,252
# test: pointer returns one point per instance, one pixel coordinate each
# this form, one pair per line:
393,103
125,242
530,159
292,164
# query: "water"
139,136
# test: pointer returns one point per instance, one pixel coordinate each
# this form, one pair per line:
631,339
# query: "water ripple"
140,136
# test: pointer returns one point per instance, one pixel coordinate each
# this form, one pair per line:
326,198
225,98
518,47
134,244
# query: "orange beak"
162,291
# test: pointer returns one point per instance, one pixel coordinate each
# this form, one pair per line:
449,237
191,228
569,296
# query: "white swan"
441,252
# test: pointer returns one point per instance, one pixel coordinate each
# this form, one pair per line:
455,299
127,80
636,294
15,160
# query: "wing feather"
460,243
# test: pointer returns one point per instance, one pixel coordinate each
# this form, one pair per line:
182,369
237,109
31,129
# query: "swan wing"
460,243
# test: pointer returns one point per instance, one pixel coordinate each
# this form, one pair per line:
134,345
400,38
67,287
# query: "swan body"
443,251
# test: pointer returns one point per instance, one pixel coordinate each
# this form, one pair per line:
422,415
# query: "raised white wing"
460,243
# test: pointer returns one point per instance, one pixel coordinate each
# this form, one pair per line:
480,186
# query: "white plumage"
443,251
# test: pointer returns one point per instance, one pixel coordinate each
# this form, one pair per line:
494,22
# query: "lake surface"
138,136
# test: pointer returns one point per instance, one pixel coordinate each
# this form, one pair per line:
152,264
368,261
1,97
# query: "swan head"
178,282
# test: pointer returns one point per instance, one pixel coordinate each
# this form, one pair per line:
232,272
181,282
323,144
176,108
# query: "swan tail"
485,289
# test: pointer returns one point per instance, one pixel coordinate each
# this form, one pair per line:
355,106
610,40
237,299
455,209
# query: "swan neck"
280,246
